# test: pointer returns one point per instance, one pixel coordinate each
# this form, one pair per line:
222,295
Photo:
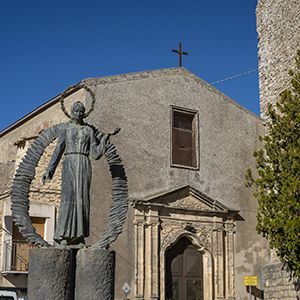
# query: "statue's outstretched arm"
55,158
99,143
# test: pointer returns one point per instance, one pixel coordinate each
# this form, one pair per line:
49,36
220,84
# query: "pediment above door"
184,198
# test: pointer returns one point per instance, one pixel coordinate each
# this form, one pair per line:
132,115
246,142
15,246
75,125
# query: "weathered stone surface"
278,284
95,274
278,27
51,274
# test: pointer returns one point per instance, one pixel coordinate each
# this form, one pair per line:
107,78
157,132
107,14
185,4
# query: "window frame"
46,211
195,114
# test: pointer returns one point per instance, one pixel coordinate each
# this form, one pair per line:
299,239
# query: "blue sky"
47,46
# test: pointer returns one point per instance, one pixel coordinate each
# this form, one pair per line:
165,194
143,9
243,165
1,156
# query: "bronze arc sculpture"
77,141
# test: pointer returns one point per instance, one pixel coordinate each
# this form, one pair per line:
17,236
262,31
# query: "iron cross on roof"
180,53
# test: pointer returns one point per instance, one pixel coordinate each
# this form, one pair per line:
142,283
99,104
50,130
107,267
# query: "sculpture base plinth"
51,274
95,274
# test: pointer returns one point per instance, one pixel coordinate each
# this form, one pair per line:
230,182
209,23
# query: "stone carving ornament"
171,232
188,202
204,235
77,142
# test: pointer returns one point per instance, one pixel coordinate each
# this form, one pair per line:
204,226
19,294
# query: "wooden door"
184,272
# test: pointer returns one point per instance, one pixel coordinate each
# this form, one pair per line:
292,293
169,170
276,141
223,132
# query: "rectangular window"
20,248
37,222
184,138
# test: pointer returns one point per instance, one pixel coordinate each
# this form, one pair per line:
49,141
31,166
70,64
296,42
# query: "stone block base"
51,274
95,274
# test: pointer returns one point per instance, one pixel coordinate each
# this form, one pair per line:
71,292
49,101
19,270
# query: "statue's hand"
47,176
108,135
116,131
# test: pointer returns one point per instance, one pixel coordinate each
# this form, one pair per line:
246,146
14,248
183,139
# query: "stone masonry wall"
6,175
278,27
277,283
50,191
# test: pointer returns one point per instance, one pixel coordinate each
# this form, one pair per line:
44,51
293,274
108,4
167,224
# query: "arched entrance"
187,224
184,272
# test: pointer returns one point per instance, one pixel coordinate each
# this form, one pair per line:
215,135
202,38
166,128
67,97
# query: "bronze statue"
78,142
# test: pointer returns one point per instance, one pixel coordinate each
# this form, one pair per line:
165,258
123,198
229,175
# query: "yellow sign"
250,280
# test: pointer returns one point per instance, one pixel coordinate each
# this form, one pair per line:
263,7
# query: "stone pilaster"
218,253
153,248
139,227
229,256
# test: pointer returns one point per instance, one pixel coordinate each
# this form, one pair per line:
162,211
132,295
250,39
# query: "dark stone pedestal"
95,274
51,274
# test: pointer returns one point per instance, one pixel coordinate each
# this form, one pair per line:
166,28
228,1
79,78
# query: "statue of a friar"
77,142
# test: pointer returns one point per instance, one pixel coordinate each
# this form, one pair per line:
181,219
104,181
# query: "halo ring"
75,88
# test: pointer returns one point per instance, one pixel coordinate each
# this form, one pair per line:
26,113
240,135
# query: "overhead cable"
234,76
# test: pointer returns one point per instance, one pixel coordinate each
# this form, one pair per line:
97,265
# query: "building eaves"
33,113
122,78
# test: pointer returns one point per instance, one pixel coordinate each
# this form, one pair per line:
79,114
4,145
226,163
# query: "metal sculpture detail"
77,141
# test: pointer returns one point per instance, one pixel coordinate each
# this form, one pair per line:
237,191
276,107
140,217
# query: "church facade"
190,231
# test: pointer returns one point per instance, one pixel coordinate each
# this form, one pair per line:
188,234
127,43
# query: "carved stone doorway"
184,272
199,230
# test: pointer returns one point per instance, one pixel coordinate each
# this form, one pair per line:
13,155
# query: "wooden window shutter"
184,139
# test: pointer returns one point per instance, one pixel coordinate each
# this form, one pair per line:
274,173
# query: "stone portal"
184,243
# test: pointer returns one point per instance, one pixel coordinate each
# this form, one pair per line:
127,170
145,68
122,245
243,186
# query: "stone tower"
278,27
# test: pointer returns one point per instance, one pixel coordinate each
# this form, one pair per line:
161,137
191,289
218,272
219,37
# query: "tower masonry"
278,27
